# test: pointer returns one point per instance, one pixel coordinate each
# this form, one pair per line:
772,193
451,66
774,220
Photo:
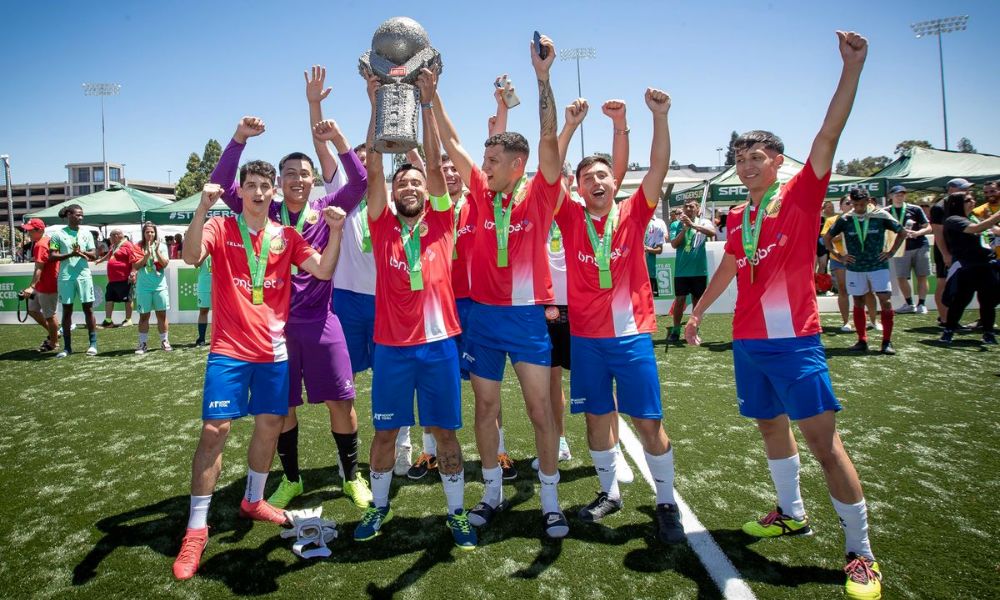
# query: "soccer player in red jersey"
781,370
247,369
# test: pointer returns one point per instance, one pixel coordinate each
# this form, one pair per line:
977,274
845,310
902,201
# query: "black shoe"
426,462
482,514
507,466
200,343
887,349
601,507
990,338
668,524
673,337
946,336
555,525
859,347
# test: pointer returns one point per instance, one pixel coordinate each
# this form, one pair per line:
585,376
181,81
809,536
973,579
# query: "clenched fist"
335,218
248,127
658,101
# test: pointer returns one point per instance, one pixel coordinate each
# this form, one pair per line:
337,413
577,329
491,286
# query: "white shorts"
860,283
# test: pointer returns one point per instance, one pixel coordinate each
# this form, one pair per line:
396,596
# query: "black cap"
859,194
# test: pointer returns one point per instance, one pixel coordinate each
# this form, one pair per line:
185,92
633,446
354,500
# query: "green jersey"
150,277
691,261
205,271
864,236
63,242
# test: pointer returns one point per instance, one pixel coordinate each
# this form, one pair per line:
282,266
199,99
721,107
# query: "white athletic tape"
722,572
311,533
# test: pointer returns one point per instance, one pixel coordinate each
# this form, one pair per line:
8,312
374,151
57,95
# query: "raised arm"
615,110
498,123
376,171
315,94
983,225
574,114
853,50
224,174
659,153
452,145
349,195
194,251
549,164
436,185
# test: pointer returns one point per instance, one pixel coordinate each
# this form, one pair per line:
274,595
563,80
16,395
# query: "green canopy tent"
929,169
115,205
182,211
726,188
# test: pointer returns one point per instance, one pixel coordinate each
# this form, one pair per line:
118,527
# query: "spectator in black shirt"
973,269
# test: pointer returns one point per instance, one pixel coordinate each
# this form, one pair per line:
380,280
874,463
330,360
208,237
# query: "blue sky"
190,70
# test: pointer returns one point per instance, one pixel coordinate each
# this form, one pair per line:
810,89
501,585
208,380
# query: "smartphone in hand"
543,51
507,93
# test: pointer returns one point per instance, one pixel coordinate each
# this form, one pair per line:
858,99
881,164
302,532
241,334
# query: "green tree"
862,167
731,152
199,169
965,145
905,145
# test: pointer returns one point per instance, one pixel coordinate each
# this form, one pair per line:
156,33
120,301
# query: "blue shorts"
357,317
836,265
463,305
235,388
498,331
783,376
629,361
430,370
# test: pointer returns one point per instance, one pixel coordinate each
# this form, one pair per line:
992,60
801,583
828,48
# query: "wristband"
426,105
623,131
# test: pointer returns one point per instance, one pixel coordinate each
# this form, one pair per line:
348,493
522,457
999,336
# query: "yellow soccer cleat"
864,579
775,524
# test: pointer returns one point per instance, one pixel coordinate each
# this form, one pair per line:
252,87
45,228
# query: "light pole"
168,176
937,27
719,152
102,90
10,202
578,53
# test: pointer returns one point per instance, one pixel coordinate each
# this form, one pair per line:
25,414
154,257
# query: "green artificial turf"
96,466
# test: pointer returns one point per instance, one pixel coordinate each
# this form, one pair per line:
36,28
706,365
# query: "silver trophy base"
397,111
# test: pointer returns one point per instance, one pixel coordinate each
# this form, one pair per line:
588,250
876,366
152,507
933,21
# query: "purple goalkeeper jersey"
310,298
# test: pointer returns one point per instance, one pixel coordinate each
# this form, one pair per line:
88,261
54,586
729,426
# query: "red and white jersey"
626,308
241,329
404,317
526,280
781,301
465,237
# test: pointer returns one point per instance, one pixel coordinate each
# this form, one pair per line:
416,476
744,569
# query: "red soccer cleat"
262,511
189,558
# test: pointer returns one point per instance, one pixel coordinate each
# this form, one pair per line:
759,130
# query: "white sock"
604,462
380,487
143,338
662,469
255,485
501,447
549,494
163,337
854,520
430,444
454,490
198,517
403,438
785,474
493,482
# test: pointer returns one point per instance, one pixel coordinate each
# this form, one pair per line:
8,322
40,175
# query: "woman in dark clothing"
974,269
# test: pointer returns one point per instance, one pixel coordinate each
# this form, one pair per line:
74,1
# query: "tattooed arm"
548,145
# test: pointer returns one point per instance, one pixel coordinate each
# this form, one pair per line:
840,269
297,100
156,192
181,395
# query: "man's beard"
409,211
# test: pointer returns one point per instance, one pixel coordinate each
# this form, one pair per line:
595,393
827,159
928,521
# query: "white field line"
722,572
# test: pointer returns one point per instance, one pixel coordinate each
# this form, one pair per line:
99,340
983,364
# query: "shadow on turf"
752,566
26,355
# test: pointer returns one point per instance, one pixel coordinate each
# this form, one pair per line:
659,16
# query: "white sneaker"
404,460
623,471
869,326
564,455
878,326
921,309
906,309
63,354
142,349
165,345
847,328
72,326
92,351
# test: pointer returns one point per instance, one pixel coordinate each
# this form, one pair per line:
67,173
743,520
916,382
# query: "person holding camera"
42,293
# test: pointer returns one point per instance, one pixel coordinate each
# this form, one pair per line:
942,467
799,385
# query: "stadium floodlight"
938,27
578,54
10,201
102,90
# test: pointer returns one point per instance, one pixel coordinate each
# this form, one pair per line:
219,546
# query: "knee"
269,425
214,434
539,416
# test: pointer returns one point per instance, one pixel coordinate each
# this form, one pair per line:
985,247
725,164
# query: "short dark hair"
360,147
588,161
511,142
445,158
406,167
295,156
758,136
954,204
68,209
257,167
859,194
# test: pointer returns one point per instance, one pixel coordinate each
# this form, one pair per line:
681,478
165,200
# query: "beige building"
81,179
